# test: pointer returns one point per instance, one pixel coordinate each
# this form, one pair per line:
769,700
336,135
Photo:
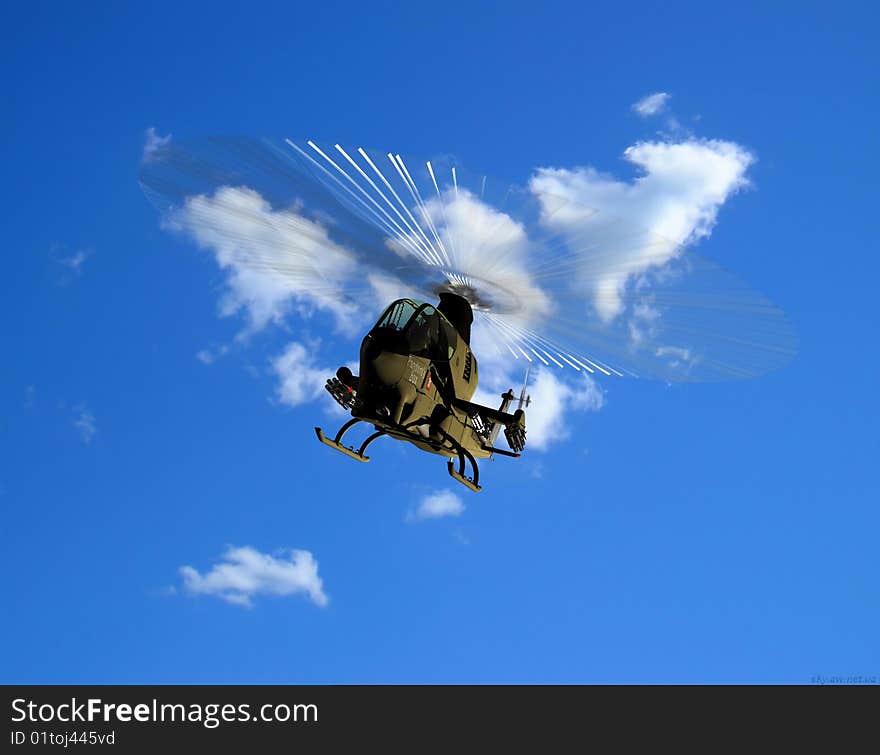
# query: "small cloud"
75,261
677,356
84,421
30,397
209,356
651,105
553,401
657,104
69,264
152,142
461,538
299,379
245,572
436,505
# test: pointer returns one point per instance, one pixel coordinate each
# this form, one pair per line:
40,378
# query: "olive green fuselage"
399,391
417,378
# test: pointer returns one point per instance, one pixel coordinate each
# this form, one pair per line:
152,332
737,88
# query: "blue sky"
718,532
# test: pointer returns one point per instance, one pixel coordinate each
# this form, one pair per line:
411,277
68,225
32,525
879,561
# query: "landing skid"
336,443
459,476
403,431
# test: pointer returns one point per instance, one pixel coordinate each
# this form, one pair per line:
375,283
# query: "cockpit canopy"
420,329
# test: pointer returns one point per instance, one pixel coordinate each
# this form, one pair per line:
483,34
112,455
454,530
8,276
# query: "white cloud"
75,261
299,379
245,573
69,262
555,395
439,504
651,105
491,248
273,259
553,400
84,421
678,357
209,356
152,142
385,289
675,201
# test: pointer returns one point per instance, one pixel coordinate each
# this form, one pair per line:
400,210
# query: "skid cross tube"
345,428
403,431
374,436
463,453
336,443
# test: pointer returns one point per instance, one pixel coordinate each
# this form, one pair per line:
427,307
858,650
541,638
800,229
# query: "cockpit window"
425,331
422,332
430,335
397,315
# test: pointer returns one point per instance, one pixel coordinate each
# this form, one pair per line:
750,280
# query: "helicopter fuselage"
397,391
418,375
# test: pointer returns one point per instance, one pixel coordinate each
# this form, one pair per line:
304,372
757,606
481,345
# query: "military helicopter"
524,272
417,376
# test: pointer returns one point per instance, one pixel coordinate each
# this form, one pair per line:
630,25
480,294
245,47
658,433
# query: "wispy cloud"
657,106
555,397
244,572
651,105
69,263
554,400
461,537
75,261
251,242
84,422
436,505
153,141
675,201
209,356
300,379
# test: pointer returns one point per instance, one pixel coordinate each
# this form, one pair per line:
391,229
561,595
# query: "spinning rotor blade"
550,280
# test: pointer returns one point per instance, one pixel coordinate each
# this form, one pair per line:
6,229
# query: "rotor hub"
483,295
